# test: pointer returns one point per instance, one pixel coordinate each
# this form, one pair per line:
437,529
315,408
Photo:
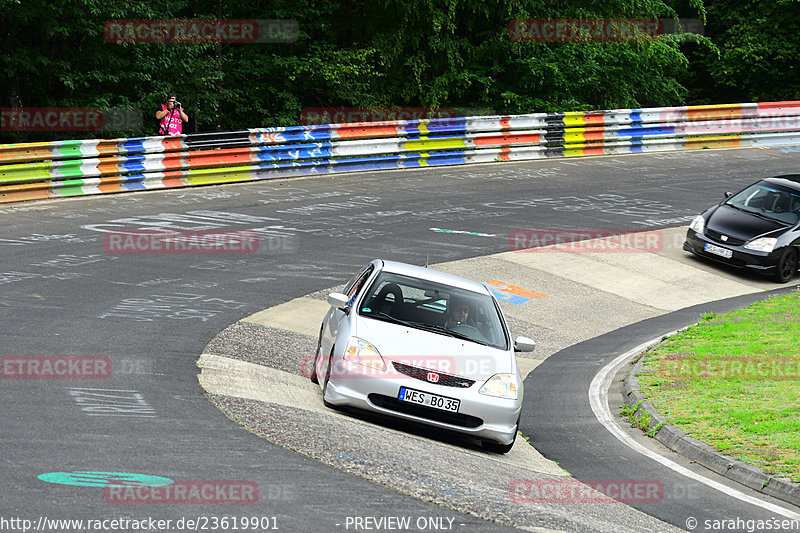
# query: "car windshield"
434,307
769,201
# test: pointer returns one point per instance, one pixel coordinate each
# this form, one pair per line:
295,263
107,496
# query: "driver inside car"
457,313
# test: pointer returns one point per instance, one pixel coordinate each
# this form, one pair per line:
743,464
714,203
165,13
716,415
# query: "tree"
759,42
385,53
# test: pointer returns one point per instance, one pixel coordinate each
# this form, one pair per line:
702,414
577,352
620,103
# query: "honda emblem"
433,377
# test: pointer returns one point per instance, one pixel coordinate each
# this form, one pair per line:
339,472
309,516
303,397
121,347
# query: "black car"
757,228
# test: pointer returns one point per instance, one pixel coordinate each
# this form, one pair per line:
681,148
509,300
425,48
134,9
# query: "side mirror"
728,194
524,344
338,300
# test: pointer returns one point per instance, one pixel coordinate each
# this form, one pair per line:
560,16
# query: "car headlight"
361,352
501,385
697,224
763,244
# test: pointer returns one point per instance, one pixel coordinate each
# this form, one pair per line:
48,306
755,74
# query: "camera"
178,105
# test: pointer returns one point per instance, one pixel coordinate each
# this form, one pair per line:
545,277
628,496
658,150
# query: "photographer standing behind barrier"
171,116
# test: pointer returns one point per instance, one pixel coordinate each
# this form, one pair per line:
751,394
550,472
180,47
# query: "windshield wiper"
759,214
731,204
765,217
389,317
449,332
427,327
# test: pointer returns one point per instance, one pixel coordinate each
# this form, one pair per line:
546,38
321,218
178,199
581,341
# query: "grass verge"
733,382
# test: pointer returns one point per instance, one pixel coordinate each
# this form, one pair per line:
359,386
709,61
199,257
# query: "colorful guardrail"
70,168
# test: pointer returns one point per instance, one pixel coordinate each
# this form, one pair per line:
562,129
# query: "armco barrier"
70,168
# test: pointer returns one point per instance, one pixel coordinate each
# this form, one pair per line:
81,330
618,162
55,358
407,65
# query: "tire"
496,447
314,378
787,266
327,379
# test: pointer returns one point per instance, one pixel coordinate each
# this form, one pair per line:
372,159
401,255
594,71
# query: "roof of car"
434,275
788,180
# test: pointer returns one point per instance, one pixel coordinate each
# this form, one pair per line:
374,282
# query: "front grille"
421,374
422,411
717,237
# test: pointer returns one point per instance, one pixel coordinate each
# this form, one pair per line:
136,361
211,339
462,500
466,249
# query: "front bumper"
480,416
762,262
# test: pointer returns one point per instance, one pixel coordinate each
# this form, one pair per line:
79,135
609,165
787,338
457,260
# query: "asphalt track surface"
65,293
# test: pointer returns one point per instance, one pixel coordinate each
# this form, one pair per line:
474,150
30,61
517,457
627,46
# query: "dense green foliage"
759,42
384,53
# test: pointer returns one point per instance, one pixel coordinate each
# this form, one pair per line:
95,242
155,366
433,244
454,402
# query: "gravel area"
257,344
478,485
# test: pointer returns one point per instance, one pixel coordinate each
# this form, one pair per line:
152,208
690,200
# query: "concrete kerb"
676,440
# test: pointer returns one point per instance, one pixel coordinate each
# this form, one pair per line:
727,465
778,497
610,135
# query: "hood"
740,224
432,351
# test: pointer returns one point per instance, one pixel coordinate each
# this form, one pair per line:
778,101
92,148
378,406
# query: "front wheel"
787,266
496,447
327,379
313,376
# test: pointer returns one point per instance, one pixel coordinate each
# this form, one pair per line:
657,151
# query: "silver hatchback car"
422,345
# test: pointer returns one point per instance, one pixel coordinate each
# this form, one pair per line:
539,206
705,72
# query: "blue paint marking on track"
515,299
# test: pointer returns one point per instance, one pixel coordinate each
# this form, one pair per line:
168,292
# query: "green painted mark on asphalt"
85,478
440,230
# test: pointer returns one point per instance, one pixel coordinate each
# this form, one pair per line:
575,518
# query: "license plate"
431,400
718,250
